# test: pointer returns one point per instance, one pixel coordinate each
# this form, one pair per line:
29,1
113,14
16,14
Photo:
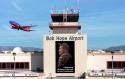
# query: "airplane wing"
32,30
29,26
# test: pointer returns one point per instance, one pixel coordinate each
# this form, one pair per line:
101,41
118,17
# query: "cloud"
16,4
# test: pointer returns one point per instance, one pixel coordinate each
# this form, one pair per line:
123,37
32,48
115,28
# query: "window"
3,65
123,65
109,65
17,65
116,64
26,65
22,65
10,65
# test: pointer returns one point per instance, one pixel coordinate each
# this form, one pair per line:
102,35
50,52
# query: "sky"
102,20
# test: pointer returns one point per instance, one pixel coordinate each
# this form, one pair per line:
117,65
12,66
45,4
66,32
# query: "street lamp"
14,54
112,65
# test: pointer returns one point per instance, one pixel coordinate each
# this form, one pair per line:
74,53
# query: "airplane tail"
33,25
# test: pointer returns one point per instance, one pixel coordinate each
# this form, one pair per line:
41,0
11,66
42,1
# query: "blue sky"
102,20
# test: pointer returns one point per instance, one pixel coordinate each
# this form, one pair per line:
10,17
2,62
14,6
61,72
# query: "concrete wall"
37,61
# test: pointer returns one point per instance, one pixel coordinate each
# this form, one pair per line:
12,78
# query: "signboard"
65,59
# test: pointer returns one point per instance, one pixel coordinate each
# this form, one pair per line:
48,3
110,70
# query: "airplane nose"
10,22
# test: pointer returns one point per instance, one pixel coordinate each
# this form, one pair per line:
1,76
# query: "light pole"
14,54
112,65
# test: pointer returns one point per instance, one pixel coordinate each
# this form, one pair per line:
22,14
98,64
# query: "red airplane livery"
17,26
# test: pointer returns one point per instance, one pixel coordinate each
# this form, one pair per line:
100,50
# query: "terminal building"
99,65
20,64
21,60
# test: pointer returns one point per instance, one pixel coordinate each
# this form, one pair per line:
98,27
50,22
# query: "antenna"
65,4
78,3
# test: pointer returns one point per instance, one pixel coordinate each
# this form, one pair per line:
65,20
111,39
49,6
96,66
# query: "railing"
106,74
65,11
18,74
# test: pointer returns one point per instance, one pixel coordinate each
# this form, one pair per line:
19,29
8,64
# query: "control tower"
65,21
65,48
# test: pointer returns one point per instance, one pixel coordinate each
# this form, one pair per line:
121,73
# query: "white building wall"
35,60
25,57
6,57
99,61
80,55
18,58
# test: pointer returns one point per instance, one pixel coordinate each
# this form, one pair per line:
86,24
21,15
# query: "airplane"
15,25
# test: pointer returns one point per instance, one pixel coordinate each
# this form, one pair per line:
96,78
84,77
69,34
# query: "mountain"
10,48
116,48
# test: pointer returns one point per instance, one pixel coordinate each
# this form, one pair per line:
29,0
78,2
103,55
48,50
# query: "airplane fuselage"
17,26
